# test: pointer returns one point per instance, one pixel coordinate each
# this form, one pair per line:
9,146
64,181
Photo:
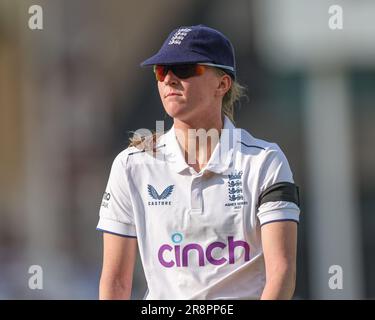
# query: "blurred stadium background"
71,93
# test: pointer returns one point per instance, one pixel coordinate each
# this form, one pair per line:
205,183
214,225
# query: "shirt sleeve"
116,211
278,195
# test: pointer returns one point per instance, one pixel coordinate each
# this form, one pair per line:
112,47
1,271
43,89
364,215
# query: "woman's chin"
176,111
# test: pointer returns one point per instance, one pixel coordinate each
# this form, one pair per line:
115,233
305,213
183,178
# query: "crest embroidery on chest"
235,186
235,190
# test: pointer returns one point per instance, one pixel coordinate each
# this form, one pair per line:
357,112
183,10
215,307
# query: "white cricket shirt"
199,234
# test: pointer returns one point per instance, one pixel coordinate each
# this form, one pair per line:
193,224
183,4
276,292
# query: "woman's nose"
170,78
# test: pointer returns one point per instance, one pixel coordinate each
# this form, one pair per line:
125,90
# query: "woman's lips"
173,94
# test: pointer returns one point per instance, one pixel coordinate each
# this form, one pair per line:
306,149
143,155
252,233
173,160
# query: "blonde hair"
232,96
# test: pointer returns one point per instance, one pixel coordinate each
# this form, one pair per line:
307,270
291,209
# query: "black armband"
281,191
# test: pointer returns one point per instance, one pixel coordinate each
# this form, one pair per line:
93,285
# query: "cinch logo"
179,255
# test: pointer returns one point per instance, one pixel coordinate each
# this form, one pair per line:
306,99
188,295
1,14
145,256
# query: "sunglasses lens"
160,72
184,71
181,71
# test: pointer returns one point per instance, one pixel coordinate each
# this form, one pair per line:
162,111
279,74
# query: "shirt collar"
221,157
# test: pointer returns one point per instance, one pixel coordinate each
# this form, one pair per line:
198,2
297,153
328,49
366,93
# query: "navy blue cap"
196,44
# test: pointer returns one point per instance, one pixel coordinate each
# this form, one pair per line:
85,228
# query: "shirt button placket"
196,195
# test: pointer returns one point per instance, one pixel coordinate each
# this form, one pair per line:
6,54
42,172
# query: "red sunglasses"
182,71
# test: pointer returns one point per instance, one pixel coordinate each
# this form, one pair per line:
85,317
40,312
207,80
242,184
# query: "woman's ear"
225,82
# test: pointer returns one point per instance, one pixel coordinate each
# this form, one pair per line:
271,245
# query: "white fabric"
198,235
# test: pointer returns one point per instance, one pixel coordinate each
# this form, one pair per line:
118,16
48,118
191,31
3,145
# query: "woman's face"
191,98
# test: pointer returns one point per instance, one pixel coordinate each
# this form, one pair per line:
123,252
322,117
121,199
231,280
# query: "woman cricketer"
212,210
